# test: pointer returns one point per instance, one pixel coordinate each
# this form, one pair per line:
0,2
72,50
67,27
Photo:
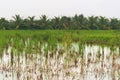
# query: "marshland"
59,40
59,55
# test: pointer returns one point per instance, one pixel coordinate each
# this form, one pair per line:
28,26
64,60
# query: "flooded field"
73,62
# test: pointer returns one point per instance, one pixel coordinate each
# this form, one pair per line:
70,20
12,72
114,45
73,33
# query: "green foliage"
77,22
20,38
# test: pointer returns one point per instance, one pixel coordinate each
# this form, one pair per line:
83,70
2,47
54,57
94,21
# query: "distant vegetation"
77,22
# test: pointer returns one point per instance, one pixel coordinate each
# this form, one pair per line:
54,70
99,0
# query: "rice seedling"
59,55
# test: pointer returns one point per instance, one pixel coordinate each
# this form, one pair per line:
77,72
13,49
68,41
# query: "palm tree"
31,22
65,22
115,23
79,22
31,19
3,23
93,22
44,22
55,22
17,21
103,23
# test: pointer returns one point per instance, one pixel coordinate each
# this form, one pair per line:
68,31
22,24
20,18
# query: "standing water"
89,62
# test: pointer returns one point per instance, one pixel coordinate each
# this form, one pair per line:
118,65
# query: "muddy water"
89,62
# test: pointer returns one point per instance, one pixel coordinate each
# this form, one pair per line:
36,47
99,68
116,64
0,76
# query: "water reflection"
88,62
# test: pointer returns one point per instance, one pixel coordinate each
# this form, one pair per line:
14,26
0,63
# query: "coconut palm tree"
114,23
17,21
31,22
55,22
44,22
93,22
80,22
103,23
3,23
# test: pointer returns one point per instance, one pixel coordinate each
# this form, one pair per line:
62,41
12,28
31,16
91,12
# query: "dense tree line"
77,22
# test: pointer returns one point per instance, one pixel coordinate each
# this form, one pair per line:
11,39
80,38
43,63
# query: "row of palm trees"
77,22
